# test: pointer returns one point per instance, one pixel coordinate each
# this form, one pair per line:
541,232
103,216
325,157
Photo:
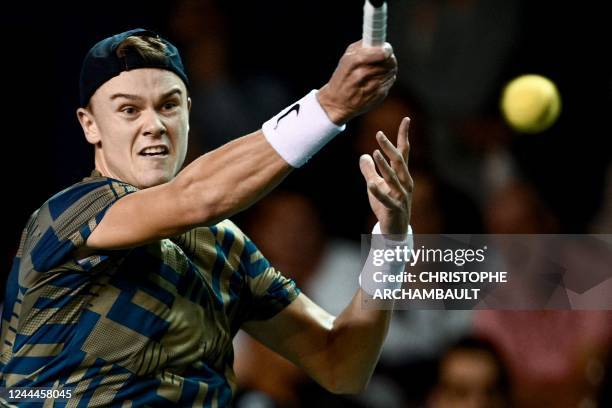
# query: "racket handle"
374,23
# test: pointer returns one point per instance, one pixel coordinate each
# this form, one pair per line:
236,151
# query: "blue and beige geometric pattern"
146,326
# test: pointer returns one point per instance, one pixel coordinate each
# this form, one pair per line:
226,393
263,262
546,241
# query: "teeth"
154,150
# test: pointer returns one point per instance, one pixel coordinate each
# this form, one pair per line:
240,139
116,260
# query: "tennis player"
129,286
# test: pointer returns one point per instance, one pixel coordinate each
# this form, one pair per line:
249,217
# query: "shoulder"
78,203
88,190
65,220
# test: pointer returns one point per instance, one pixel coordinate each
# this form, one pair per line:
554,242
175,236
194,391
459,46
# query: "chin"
152,180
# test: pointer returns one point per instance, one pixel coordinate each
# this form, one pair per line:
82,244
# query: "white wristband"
389,269
406,239
301,130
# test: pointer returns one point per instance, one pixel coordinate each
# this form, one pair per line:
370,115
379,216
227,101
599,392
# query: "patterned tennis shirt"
146,326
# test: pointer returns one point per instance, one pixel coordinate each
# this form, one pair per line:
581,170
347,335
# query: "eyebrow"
136,97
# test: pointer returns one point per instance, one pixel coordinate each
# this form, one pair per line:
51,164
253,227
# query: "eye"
128,110
170,105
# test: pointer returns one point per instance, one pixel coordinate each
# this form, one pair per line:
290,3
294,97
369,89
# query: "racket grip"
374,23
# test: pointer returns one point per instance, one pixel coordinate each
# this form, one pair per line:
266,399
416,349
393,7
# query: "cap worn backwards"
102,62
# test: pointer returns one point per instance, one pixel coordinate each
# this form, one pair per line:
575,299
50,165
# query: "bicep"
142,217
300,333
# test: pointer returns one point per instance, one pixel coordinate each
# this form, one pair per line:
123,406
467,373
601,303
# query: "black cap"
102,63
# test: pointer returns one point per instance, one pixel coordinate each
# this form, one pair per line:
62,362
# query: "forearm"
231,178
355,342
358,333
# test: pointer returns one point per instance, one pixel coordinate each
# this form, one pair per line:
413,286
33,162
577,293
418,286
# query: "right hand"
361,81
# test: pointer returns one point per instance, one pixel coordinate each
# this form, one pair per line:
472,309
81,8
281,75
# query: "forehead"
147,83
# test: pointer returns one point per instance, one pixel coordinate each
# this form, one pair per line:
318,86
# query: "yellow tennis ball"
530,103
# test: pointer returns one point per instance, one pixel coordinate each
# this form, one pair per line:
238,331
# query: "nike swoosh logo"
295,108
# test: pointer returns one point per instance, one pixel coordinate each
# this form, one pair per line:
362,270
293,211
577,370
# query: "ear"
88,123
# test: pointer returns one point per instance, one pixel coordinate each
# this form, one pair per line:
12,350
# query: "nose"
153,125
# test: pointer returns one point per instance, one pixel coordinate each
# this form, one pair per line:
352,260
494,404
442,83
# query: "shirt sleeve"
268,290
65,222
237,273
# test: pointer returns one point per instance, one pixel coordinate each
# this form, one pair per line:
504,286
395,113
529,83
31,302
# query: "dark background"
299,43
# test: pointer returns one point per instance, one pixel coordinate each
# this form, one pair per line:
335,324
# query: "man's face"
139,121
468,379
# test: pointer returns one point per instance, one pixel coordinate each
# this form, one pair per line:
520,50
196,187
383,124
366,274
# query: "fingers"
375,182
359,55
386,200
353,46
386,47
368,169
388,174
382,187
403,145
398,156
387,83
395,157
389,63
374,74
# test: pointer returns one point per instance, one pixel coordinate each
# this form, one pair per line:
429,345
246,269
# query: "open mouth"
153,151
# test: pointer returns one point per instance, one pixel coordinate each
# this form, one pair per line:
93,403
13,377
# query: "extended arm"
231,178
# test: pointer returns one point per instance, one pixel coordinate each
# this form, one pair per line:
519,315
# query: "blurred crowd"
472,175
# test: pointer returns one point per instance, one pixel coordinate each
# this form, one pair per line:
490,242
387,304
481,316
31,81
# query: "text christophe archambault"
422,281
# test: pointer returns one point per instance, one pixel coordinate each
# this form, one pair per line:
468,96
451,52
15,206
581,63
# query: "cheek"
119,146
118,137
181,153
181,136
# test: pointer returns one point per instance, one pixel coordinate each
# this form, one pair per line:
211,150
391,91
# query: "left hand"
390,188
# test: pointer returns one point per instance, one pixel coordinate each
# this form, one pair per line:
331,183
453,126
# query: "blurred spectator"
471,374
516,208
548,351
